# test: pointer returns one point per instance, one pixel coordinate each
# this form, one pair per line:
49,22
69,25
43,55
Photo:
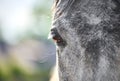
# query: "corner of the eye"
49,36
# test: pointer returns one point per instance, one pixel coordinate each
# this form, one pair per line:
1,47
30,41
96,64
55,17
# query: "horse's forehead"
85,13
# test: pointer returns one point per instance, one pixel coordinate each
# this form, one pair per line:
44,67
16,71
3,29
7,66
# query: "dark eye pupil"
55,36
57,39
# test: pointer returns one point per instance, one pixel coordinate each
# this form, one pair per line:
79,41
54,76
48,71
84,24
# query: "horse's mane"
70,2
61,6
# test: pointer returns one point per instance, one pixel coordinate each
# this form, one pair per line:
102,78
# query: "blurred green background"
26,54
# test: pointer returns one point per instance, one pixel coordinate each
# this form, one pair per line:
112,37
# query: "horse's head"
87,36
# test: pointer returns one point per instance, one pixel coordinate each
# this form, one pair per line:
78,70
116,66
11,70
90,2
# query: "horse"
87,38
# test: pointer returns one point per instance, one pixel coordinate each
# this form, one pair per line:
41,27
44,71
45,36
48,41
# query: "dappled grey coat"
87,37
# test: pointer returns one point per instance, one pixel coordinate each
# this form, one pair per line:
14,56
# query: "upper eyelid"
52,33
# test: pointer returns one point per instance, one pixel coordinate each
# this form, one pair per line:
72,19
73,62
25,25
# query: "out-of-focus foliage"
32,58
42,20
10,70
43,8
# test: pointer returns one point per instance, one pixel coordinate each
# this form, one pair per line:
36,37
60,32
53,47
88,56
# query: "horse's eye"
56,37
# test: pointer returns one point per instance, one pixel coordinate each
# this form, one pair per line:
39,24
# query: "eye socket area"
57,38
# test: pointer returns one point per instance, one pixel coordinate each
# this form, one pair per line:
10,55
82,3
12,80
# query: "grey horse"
87,37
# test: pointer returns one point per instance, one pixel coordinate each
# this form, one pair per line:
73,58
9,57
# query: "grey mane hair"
66,4
61,6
